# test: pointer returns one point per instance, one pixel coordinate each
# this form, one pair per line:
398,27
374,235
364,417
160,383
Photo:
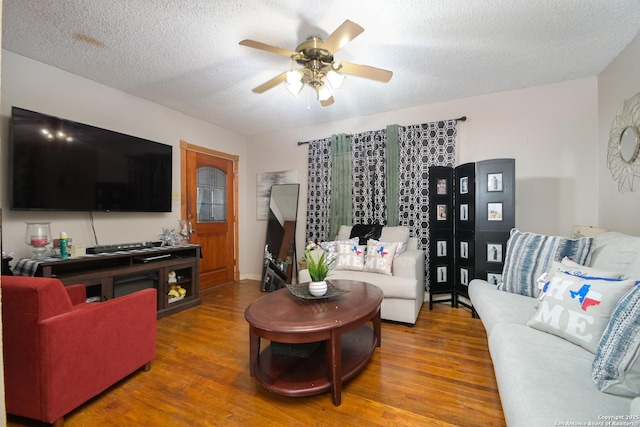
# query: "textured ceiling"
184,54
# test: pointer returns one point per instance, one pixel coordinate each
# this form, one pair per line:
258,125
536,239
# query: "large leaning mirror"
279,262
624,145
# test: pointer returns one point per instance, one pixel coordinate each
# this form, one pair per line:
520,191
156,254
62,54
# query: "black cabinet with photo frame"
495,217
481,213
441,217
465,227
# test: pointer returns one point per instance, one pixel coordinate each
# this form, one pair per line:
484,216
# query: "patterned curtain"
369,177
390,178
421,146
319,189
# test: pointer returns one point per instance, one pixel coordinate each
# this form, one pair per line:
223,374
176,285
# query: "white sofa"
545,380
404,289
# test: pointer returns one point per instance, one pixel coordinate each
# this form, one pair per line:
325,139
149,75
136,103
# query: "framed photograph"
464,185
464,250
441,215
494,182
464,212
441,248
464,276
442,274
494,278
265,180
441,188
494,211
494,252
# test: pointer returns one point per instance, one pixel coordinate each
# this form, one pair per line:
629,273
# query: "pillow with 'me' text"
379,258
349,256
578,308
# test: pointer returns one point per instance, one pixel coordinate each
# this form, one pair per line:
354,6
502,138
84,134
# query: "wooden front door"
211,208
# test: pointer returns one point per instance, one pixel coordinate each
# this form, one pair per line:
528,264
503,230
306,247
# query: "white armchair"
404,289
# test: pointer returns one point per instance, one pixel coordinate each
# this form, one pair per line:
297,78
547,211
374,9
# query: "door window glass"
212,194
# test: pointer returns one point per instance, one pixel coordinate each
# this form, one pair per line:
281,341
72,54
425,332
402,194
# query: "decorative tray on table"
301,290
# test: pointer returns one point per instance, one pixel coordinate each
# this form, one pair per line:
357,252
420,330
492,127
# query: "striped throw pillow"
529,255
616,369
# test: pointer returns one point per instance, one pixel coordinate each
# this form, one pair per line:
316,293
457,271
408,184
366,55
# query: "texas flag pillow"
349,256
578,308
379,257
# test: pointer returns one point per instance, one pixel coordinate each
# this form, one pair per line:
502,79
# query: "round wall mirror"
628,145
624,145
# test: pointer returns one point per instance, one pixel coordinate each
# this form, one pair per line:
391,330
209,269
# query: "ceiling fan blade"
271,83
327,102
263,46
341,36
365,71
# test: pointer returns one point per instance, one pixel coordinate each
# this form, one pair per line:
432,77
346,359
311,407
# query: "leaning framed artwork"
264,182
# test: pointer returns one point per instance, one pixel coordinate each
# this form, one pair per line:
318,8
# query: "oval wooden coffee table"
339,324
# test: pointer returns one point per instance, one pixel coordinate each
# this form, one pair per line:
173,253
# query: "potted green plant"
319,268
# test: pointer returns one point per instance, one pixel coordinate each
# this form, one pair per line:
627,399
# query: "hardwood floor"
438,373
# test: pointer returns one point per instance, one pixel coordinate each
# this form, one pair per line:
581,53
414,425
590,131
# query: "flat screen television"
61,165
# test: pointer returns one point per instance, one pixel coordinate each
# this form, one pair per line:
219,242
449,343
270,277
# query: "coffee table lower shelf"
298,376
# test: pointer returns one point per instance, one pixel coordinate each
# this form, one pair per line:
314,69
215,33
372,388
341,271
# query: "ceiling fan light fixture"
335,79
319,70
294,76
323,93
295,87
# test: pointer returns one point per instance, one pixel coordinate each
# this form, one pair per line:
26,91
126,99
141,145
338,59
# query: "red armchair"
60,351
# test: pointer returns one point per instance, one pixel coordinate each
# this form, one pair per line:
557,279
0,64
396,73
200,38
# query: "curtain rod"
459,119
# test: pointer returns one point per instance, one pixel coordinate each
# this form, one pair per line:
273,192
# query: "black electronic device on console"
151,258
119,247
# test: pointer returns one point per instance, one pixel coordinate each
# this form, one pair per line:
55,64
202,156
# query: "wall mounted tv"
61,165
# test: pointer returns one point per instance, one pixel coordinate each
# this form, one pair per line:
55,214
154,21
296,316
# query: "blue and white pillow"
529,255
615,368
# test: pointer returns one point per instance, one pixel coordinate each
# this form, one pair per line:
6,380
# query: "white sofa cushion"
615,251
544,380
396,234
392,286
495,307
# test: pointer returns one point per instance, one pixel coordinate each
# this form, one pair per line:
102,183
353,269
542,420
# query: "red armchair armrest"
77,294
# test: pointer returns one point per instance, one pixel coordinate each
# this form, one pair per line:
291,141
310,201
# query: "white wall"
550,130
35,86
618,82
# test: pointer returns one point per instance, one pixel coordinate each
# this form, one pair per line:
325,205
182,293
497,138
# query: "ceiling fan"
319,69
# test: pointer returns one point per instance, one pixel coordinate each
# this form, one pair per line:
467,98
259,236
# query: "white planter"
317,289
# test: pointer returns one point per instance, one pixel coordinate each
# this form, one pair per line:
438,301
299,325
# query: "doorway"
209,187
